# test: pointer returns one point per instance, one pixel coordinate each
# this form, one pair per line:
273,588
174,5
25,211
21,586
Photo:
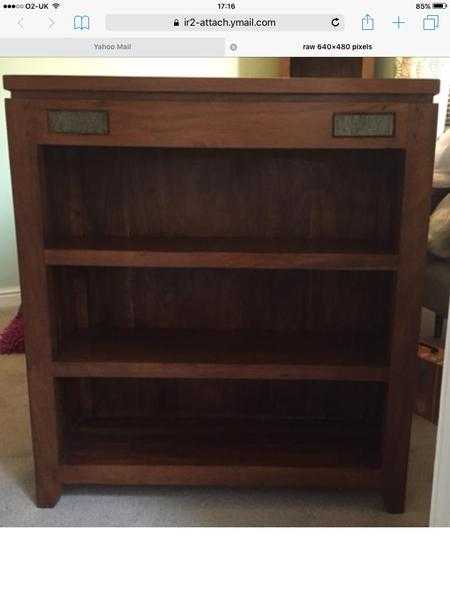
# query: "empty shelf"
220,253
220,355
235,453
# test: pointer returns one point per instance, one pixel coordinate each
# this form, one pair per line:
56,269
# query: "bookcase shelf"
246,441
221,278
219,253
195,452
214,354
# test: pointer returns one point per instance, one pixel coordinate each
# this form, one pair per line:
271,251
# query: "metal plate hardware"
78,121
364,125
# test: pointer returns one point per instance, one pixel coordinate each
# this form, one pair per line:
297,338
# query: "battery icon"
439,5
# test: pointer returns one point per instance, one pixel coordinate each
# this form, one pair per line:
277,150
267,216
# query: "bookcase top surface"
309,85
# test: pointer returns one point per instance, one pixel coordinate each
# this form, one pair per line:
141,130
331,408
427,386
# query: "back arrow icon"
20,22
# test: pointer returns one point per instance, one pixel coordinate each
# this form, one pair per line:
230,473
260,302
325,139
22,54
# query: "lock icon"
176,23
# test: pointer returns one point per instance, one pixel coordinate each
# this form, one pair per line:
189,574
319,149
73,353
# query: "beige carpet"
97,506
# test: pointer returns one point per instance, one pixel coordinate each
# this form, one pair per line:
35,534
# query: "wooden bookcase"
221,278
327,67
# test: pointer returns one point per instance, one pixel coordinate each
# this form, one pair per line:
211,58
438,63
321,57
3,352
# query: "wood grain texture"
162,403
256,452
248,441
120,300
182,85
407,304
368,68
329,67
28,192
221,476
218,291
267,433
217,253
214,355
187,323
322,199
207,97
218,124
326,67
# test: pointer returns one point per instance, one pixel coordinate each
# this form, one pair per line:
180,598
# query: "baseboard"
10,298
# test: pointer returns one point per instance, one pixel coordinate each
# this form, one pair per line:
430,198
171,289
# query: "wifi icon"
56,5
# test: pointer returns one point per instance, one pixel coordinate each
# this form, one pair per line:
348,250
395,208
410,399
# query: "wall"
421,68
259,67
30,66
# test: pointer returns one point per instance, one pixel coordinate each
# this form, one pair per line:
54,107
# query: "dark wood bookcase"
221,278
327,67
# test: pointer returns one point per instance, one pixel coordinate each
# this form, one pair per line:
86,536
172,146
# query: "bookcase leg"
48,491
46,434
48,488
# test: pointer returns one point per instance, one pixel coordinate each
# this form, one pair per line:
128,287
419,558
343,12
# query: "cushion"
437,285
441,177
439,230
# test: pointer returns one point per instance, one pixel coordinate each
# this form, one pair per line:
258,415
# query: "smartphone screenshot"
224,264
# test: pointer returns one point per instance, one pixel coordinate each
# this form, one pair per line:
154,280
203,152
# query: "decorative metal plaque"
78,121
364,125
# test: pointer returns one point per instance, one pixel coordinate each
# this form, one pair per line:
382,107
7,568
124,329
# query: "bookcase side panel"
27,191
407,302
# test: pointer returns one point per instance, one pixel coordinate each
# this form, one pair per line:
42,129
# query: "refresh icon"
335,21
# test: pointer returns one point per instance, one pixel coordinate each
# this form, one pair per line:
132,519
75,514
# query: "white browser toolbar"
137,28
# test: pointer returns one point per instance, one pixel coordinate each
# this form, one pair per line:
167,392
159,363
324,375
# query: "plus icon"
399,23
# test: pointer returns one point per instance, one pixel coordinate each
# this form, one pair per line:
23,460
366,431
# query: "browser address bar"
177,22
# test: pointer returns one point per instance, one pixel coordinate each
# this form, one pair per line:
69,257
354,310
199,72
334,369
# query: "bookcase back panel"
255,194
320,423
338,401
116,299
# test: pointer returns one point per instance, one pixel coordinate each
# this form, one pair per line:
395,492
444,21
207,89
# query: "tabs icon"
431,23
